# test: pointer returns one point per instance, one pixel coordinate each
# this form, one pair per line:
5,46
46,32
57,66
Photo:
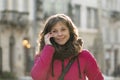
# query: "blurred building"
99,25
17,36
86,15
110,23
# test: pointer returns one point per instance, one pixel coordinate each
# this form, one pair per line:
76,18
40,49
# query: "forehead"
59,25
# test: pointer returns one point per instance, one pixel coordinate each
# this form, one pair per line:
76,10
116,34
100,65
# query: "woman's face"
60,33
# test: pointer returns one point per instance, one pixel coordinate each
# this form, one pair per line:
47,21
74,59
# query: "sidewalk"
117,78
25,78
105,77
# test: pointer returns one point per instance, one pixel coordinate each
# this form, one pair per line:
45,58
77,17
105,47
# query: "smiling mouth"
60,39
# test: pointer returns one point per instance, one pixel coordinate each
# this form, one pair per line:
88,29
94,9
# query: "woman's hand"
47,38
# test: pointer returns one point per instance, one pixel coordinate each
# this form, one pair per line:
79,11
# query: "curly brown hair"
73,45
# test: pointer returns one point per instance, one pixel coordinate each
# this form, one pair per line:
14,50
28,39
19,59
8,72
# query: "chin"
61,44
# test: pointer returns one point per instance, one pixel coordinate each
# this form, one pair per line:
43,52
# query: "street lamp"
26,43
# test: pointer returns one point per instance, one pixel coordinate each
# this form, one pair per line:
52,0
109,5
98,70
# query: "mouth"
60,39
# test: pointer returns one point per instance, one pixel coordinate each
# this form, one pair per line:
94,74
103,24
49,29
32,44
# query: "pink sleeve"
42,64
92,70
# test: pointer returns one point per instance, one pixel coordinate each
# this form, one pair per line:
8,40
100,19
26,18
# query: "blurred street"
105,77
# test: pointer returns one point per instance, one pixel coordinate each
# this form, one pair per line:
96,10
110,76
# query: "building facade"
17,36
111,38
99,26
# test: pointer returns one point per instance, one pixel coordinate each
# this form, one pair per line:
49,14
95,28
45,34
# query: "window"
0,60
23,5
15,5
107,60
116,52
107,35
77,15
116,35
11,50
92,18
5,4
114,4
1,5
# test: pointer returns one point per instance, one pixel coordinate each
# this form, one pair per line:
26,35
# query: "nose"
59,33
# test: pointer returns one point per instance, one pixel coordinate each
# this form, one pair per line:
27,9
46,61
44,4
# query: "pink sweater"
42,67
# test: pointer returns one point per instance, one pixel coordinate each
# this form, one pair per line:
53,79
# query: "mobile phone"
52,40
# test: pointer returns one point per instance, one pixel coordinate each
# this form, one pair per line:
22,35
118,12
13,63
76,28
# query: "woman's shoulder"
86,53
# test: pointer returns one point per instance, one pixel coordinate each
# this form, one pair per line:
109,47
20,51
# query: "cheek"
68,33
54,35
68,37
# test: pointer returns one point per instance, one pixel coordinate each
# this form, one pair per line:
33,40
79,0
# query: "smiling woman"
60,55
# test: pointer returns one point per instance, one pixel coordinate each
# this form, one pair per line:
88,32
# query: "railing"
14,17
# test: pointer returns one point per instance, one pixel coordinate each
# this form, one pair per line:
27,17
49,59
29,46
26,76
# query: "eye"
63,29
54,31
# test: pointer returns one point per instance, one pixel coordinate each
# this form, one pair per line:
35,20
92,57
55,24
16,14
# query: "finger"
47,35
47,38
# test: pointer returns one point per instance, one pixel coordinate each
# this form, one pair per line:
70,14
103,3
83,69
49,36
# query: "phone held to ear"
52,40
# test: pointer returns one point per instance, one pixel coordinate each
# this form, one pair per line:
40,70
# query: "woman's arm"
42,63
92,69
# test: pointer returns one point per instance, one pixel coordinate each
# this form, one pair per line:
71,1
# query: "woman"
59,45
